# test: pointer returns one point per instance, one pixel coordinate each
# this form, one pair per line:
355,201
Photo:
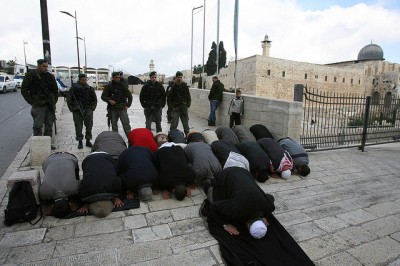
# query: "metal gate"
334,120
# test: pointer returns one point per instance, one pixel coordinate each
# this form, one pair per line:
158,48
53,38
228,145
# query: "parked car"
6,84
18,79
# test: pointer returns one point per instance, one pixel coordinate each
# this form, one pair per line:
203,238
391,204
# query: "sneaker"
88,143
80,145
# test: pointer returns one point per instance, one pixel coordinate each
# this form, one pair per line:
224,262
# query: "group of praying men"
174,163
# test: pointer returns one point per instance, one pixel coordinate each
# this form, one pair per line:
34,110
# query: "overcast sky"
127,34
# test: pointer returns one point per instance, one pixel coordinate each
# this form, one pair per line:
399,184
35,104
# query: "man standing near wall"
152,99
39,89
215,97
119,99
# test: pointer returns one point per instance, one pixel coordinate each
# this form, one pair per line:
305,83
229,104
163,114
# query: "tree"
222,56
211,66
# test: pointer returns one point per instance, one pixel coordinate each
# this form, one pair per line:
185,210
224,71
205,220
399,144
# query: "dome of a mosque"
371,52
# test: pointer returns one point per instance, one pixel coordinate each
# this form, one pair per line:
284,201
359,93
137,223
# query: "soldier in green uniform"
39,89
119,99
82,101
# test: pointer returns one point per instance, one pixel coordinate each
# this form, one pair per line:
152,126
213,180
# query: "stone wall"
283,118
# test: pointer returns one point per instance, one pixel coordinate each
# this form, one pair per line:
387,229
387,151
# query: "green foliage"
211,66
197,69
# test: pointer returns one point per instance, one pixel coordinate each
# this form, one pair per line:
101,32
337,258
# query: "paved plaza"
346,212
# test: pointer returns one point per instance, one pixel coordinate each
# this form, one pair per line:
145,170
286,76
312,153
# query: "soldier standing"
82,101
152,99
179,101
39,89
119,99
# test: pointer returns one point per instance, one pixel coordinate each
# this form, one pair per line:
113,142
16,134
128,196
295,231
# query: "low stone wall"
282,118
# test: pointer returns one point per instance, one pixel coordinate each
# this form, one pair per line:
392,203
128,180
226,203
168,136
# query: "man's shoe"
203,208
88,143
80,145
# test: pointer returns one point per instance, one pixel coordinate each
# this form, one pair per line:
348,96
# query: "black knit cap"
152,73
82,76
178,74
115,74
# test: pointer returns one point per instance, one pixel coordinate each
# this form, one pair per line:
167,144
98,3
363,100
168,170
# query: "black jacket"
222,149
119,93
173,167
40,89
152,95
136,167
179,96
81,96
260,131
238,198
99,177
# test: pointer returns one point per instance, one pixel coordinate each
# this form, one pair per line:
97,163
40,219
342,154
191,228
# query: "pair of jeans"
213,107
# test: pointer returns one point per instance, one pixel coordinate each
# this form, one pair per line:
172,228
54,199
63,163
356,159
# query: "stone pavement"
346,212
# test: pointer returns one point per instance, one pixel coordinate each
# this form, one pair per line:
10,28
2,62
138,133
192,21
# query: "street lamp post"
84,45
77,41
26,66
191,50
204,36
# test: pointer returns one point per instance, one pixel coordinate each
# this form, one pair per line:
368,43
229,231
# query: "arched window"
375,97
388,99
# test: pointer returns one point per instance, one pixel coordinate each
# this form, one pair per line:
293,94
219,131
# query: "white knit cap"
258,229
286,174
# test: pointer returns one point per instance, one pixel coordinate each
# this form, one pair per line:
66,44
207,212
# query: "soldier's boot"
80,145
88,143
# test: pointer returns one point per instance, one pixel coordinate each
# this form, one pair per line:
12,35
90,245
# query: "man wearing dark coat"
215,98
175,174
136,168
152,99
82,101
119,99
39,89
179,100
100,185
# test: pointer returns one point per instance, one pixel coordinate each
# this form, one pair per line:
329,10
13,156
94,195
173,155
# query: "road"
15,127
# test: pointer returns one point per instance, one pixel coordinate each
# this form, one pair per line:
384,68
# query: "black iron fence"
335,120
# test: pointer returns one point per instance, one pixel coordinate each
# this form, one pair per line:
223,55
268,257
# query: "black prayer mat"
277,247
128,204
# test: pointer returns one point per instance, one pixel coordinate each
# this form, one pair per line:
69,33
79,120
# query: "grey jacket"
61,176
203,160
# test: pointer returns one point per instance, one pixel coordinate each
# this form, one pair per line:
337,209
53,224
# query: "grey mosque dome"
371,52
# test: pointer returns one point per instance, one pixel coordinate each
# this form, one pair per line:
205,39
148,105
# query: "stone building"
262,75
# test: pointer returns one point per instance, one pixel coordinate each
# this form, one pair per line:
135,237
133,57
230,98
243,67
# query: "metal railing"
339,120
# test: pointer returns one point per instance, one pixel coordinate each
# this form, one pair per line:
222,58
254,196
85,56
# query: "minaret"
151,65
266,44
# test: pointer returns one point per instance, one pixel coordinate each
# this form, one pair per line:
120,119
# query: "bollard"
40,149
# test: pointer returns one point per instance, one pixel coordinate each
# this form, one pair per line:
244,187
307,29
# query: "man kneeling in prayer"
100,186
234,199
